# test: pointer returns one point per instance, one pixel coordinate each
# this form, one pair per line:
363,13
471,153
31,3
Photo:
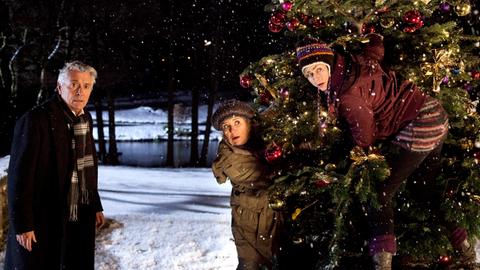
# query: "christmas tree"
321,181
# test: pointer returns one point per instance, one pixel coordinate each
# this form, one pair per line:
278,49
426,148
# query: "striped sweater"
427,131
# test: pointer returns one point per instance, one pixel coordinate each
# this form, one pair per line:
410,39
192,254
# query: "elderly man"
53,201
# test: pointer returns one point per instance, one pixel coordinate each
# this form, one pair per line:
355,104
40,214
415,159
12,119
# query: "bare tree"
11,65
214,80
112,156
195,103
171,86
43,91
194,127
208,125
97,94
97,103
171,101
6,110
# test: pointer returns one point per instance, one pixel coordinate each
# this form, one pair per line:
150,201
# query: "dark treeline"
140,48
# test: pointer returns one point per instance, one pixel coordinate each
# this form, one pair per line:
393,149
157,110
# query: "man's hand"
25,239
99,220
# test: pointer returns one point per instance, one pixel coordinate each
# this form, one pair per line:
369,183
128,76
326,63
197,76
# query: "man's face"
75,90
236,130
318,75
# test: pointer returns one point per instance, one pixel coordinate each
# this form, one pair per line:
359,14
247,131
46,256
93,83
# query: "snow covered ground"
168,219
172,219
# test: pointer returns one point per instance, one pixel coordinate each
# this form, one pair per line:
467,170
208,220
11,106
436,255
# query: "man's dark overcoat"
40,169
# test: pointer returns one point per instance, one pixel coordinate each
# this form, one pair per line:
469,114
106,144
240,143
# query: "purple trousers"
421,167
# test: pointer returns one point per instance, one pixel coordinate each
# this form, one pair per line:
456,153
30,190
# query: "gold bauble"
379,2
477,143
297,240
451,161
466,144
387,22
277,204
330,167
463,9
295,214
475,198
427,69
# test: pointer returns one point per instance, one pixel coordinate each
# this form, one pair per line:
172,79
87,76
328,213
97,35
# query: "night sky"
132,43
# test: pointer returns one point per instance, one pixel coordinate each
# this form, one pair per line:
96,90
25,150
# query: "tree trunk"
194,133
171,87
43,91
214,82
97,101
170,124
7,115
211,101
97,94
13,73
208,125
112,157
196,71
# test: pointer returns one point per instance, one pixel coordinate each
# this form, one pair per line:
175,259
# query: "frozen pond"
154,154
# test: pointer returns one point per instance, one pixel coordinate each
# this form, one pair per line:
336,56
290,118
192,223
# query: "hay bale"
3,212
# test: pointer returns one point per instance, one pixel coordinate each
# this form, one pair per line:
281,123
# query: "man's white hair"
75,66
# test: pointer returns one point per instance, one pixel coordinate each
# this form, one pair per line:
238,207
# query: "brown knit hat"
230,108
311,50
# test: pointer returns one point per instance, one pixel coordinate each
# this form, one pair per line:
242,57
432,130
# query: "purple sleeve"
359,116
374,49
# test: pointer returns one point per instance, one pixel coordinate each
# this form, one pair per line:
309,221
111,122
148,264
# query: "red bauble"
274,28
445,80
444,7
383,10
468,87
284,93
445,260
368,28
278,18
246,81
287,5
410,29
265,98
317,23
322,183
450,193
476,155
419,24
413,28
304,18
476,75
273,153
412,17
293,24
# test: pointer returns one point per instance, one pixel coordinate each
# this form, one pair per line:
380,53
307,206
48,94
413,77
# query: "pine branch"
374,11
350,17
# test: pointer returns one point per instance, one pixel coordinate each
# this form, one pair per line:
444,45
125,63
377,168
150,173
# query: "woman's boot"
468,256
